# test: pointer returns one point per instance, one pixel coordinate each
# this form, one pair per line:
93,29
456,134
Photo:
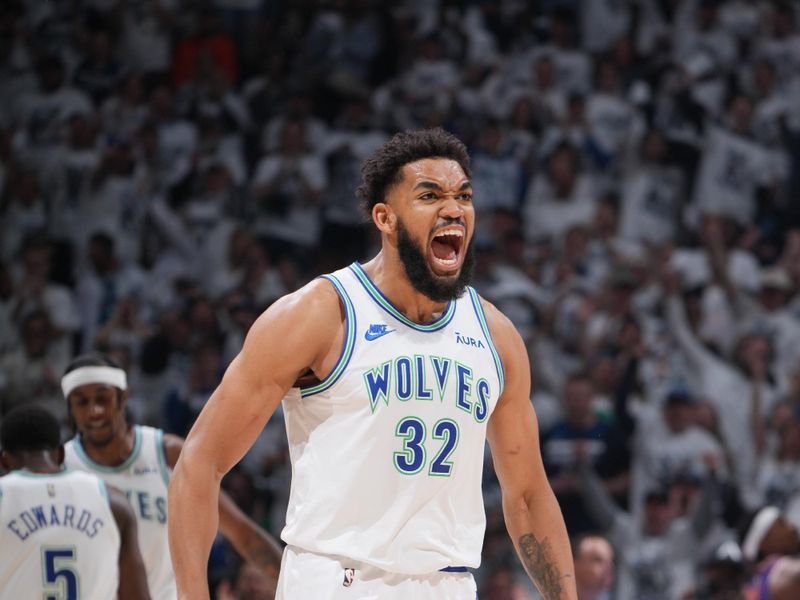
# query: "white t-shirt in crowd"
731,169
547,216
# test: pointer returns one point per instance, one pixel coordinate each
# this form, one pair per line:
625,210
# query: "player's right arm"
300,331
132,574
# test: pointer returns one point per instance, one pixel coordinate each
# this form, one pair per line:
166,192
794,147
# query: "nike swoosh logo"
369,335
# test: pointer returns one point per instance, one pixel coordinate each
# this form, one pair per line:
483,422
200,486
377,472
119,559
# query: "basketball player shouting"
392,375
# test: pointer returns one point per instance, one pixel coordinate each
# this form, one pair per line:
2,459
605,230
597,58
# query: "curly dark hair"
382,169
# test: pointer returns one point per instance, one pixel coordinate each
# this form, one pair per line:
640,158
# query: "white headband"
85,375
765,518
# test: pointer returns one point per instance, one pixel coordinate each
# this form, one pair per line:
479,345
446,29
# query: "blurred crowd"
169,168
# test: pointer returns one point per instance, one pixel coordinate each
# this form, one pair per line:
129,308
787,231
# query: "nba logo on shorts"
349,575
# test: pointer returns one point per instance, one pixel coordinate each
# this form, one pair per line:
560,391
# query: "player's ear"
384,217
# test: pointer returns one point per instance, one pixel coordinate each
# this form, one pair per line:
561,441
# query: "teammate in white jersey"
393,375
63,534
138,460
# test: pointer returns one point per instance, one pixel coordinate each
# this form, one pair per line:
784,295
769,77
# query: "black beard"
423,279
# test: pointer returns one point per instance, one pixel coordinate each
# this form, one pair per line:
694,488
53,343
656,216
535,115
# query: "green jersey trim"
476,304
347,347
390,308
137,446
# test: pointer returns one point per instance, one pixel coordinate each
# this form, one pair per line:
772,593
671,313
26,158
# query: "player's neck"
388,274
39,462
116,451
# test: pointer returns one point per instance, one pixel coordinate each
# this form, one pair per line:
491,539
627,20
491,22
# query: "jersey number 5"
59,578
411,459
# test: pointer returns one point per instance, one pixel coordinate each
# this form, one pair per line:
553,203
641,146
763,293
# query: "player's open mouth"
446,255
97,426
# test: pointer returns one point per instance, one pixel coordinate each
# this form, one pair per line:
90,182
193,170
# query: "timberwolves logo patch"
349,575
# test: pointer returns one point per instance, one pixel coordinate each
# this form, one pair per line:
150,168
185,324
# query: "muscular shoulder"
314,306
512,351
296,334
504,335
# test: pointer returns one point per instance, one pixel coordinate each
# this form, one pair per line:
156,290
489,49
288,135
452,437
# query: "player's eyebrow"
432,185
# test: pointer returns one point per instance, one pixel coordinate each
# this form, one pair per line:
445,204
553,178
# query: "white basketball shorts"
306,575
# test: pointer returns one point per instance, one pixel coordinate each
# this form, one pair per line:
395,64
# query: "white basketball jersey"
143,477
58,537
387,452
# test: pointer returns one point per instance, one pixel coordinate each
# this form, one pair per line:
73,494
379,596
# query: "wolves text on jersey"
419,377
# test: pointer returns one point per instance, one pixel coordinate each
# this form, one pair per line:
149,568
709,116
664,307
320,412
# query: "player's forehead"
446,173
91,390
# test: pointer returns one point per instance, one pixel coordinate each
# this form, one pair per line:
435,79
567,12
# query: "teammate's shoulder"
149,430
87,481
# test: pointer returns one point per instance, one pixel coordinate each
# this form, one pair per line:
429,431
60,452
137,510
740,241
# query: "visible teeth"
447,261
455,232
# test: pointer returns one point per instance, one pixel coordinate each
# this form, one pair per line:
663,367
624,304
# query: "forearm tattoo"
539,562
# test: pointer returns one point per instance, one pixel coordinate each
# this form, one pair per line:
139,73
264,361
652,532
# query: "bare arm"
532,515
132,575
597,499
298,332
701,358
702,517
718,260
254,544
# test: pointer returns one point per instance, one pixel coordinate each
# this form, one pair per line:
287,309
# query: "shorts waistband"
358,565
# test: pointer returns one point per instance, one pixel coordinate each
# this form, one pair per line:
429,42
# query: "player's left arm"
254,544
532,515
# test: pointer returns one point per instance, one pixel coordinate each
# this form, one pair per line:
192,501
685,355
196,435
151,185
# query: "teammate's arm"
532,515
298,332
132,575
254,544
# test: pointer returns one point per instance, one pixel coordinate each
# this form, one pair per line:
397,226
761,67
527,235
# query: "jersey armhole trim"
498,364
347,347
103,490
161,453
137,445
